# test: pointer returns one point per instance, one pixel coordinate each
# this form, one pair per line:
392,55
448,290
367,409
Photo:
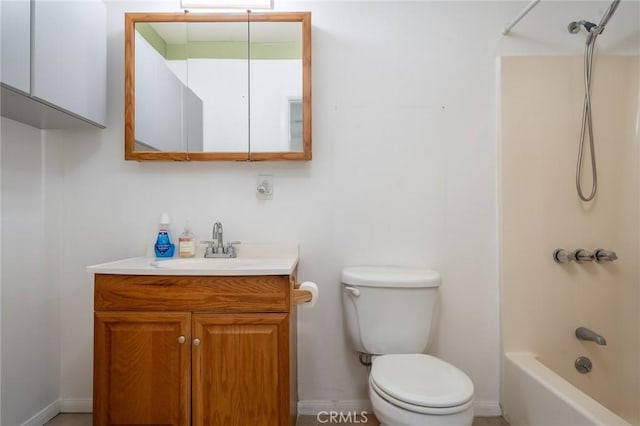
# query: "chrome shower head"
574,27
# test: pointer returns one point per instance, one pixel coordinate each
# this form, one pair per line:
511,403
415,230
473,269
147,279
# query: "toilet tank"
389,310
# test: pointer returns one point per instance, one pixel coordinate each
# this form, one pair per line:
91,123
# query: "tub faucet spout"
584,333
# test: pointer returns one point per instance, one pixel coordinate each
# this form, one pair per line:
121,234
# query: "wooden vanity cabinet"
194,350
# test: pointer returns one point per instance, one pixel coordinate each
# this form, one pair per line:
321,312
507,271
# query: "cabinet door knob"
182,339
196,342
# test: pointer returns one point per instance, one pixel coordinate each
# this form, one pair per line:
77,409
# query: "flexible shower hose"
587,123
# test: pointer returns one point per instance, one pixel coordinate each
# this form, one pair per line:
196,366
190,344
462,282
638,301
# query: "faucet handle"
602,255
582,256
230,248
563,256
210,249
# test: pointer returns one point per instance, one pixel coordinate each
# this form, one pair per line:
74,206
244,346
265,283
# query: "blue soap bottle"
163,246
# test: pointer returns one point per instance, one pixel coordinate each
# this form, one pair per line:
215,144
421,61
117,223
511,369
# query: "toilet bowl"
388,313
419,390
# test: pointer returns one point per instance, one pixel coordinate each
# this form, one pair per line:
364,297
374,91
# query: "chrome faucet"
584,333
216,247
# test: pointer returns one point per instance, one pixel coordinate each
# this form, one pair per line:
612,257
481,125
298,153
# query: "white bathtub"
533,395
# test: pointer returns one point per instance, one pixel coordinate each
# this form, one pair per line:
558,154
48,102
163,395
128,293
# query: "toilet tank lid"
390,276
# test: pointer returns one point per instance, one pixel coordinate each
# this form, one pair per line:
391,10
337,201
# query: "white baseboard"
44,415
487,409
313,407
68,405
76,405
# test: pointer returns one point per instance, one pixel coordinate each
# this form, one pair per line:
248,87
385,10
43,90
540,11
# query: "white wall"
403,172
31,244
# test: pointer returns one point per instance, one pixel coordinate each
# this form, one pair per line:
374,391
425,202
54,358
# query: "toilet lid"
421,380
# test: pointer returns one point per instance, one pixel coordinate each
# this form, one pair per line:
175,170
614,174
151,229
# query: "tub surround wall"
544,302
404,172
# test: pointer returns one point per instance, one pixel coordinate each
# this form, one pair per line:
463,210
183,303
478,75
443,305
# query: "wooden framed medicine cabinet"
218,87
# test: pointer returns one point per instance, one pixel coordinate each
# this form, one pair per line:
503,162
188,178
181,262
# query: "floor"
85,420
371,421
65,419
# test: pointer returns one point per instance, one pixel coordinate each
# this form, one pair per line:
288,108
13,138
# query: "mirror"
218,86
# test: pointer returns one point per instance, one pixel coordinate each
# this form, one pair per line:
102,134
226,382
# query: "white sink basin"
201,263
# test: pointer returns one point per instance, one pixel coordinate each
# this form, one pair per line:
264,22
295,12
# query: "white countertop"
253,259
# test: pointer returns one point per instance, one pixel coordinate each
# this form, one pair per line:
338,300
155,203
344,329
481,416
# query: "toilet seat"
417,408
421,383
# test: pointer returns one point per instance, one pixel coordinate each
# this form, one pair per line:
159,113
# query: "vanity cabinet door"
142,373
240,369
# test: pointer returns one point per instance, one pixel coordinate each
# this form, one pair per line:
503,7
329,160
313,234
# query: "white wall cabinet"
54,62
16,44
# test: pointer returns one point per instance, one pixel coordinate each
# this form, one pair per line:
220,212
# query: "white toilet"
388,313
